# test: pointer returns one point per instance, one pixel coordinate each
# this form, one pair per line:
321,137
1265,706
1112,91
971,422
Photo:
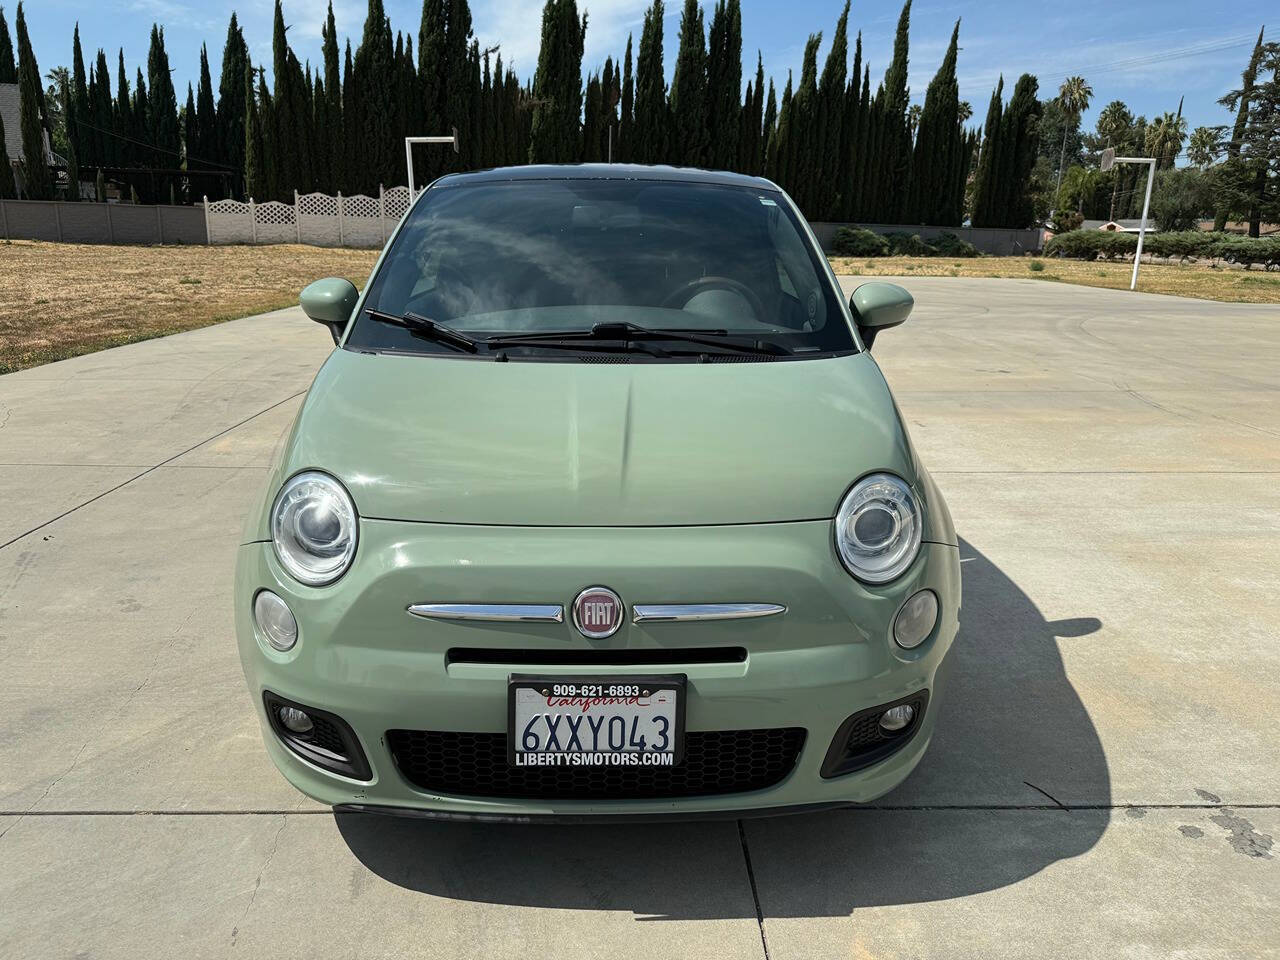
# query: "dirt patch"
59,300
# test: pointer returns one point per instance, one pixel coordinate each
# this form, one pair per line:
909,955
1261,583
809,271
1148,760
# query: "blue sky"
1145,53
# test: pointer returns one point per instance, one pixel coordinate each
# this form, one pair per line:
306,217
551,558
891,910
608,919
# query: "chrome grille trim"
493,612
680,612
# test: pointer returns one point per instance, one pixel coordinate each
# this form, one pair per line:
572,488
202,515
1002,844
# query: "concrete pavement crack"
275,842
755,893
151,469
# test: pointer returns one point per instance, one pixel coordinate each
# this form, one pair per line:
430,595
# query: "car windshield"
526,257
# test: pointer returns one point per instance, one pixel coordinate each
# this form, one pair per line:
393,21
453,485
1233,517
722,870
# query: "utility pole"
1109,159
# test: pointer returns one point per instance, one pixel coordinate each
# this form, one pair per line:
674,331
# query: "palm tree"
1165,137
1115,129
1203,147
1073,97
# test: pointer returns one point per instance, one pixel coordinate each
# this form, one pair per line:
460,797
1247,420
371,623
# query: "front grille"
715,762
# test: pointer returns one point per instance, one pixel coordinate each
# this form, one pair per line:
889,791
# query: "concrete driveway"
1105,780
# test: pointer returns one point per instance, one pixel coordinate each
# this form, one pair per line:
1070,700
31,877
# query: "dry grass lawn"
59,300
1180,280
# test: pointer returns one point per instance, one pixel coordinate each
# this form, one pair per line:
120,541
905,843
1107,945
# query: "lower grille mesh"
715,762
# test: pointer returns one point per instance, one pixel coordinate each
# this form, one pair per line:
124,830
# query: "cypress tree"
204,144
458,84
768,133
123,152
8,67
333,132
778,168
433,62
591,120
231,137
557,84
187,123
162,108
651,91
283,132
252,123
77,110
375,90
896,136
8,188
36,175
984,183
752,120
828,129
322,137
351,125
724,84
937,143
799,123
139,112
1020,133
862,158
626,123
850,137
691,140
1247,81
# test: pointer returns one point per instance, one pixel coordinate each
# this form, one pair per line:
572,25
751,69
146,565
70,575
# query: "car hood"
448,440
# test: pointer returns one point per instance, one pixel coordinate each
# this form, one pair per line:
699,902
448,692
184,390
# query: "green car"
600,507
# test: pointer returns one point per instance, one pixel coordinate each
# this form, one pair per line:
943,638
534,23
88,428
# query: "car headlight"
314,528
878,528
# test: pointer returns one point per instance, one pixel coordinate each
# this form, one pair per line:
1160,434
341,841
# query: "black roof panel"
606,171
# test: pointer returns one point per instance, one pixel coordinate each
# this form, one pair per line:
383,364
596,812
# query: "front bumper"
361,656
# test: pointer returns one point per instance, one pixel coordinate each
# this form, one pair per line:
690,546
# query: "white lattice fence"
229,221
315,218
318,220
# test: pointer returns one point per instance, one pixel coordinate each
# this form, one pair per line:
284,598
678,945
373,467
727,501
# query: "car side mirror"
330,301
878,306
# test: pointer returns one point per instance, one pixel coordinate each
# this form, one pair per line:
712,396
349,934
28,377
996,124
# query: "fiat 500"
600,506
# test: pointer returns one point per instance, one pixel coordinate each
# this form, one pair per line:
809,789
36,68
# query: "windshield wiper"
427,329
633,332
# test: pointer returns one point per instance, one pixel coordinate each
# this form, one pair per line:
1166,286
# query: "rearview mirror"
878,306
330,301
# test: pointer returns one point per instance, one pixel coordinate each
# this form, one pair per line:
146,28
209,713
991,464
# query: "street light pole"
1109,158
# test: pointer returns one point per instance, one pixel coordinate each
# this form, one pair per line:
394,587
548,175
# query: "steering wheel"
680,297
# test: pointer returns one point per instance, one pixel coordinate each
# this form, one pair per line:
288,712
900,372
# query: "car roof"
607,171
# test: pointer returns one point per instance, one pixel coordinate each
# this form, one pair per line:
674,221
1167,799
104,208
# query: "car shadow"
1015,780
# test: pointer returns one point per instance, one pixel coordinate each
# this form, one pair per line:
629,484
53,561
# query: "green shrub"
856,242
949,245
1075,245
909,245
1036,266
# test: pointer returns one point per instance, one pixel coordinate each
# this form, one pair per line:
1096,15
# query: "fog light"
915,620
295,719
897,718
275,620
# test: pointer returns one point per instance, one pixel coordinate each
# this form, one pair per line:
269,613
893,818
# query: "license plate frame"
677,682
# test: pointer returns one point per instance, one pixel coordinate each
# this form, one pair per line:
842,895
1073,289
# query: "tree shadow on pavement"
1015,780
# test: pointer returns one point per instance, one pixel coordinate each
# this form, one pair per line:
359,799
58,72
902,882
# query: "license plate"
595,721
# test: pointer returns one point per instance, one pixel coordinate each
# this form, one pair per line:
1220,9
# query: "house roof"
10,113
1120,226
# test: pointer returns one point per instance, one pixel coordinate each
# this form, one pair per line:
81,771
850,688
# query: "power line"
216,167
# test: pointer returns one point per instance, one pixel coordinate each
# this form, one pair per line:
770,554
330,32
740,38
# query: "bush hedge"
1184,244
857,242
